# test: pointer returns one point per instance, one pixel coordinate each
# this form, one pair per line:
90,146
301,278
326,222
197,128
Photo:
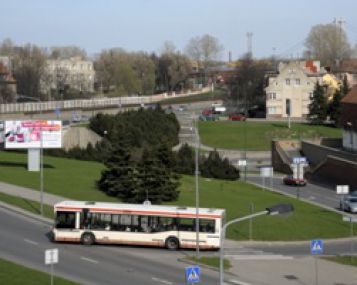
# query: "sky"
279,27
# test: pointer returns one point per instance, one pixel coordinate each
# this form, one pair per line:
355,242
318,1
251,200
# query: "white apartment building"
293,86
73,72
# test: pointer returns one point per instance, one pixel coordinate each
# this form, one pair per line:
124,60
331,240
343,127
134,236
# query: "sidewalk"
29,194
301,270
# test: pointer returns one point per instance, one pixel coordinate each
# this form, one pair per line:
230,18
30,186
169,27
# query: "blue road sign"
317,246
58,111
192,274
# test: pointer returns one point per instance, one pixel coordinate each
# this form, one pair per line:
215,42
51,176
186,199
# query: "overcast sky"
278,26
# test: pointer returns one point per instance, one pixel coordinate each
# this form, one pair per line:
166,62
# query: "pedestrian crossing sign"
192,274
317,246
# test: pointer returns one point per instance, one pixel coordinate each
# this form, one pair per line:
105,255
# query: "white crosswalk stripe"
253,254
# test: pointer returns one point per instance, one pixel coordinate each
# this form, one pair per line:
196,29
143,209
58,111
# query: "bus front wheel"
172,243
87,239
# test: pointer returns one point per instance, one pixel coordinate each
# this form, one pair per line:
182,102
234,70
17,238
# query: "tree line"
139,161
320,109
118,72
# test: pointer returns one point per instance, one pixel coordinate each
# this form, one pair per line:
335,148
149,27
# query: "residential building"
348,69
291,88
349,120
74,73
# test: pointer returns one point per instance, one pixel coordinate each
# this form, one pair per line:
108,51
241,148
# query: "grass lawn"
230,135
211,261
217,94
15,274
306,223
70,178
28,205
347,260
76,180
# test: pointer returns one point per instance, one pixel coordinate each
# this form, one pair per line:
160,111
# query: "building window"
271,110
297,81
287,81
311,95
272,96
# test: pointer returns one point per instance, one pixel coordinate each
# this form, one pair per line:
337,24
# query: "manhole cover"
291,277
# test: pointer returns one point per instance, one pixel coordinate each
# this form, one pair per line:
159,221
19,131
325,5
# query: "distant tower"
249,44
339,24
229,56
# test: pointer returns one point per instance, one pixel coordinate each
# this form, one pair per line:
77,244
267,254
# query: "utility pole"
249,44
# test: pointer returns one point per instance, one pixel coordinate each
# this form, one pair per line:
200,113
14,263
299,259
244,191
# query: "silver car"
349,203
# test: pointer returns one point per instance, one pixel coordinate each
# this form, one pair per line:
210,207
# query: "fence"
89,103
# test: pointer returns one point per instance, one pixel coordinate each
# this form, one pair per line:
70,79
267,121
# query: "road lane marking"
30,241
162,281
261,257
89,260
238,282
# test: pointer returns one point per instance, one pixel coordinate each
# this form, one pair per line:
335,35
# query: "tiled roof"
351,97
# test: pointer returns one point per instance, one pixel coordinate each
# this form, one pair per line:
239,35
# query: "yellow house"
331,83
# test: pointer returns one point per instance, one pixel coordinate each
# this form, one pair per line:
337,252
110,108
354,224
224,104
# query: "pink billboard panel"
33,134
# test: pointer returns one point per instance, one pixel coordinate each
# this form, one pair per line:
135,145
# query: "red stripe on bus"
140,212
126,242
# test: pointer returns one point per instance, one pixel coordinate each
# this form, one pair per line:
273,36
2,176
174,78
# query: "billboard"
33,134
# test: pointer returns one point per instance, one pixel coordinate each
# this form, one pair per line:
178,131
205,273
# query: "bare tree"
206,49
168,48
67,52
28,67
327,43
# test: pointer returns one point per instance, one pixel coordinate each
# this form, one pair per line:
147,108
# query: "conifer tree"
318,106
156,182
119,179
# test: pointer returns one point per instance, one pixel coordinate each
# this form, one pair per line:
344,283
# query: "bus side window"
187,225
207,226
65,220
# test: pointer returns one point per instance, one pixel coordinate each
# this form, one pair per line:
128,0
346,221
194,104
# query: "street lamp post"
273,210
197,189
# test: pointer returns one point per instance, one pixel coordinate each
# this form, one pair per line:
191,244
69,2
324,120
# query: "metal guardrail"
89,103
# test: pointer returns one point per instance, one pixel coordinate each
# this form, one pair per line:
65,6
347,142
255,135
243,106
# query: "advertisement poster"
33,134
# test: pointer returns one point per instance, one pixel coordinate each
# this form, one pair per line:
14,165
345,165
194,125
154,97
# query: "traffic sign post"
298,171
243,163
266,172
51,257
316,247
192,274
351,220
342,190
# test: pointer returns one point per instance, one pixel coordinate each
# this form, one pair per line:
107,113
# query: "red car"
207,112
290,180
238,117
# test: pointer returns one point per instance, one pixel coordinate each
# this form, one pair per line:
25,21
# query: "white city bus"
110,223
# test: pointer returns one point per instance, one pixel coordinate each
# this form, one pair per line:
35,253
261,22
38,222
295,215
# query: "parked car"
207,112
182,108
349,203
237,117
290,180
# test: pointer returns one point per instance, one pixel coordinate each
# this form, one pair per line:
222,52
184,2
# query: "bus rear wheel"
87,239
172,243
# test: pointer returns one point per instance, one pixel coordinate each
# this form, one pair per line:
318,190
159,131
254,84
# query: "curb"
26,213
187,261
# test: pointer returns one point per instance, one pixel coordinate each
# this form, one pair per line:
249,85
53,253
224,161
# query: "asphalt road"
312,192
24,240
